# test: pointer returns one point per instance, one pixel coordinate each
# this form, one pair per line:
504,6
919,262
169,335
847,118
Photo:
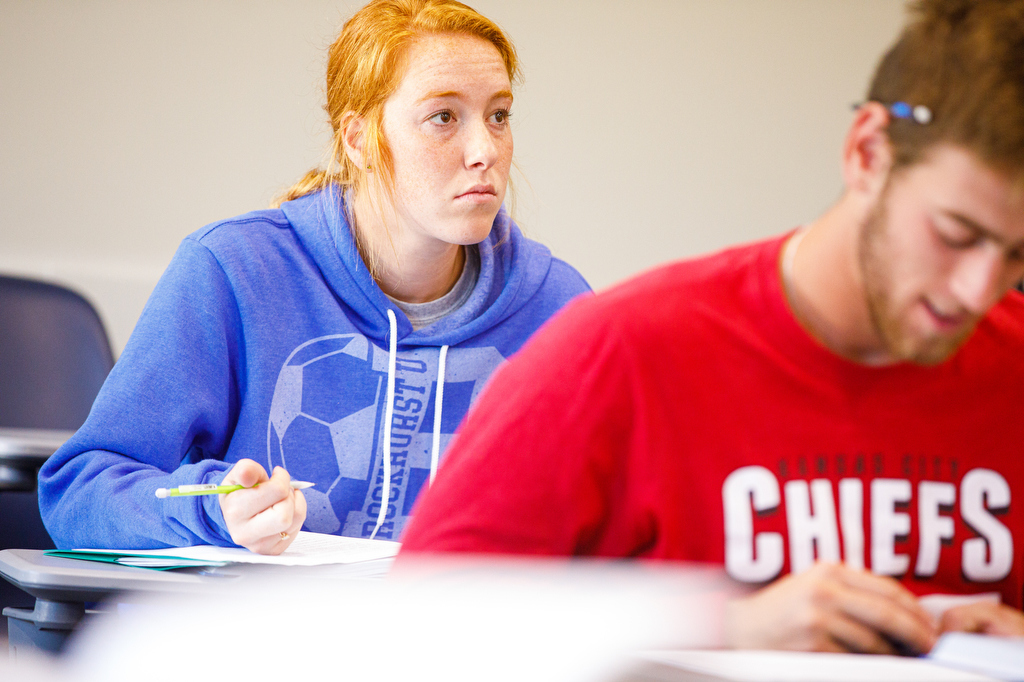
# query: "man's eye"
956,235
442,117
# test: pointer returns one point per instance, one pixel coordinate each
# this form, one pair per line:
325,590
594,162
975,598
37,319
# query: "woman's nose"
481,147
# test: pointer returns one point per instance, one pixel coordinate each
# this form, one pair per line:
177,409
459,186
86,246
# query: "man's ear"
352,127
867,152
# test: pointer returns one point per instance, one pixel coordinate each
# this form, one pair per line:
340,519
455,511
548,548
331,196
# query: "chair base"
46,628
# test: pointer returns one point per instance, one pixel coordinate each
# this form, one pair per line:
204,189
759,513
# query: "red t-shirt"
686,415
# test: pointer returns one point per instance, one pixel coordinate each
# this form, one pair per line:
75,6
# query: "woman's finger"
246,473
247,504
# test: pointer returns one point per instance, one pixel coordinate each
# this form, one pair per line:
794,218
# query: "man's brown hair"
964,60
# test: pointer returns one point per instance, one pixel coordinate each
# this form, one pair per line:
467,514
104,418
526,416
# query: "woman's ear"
867,152
352,127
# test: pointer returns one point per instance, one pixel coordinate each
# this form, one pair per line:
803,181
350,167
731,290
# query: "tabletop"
23,451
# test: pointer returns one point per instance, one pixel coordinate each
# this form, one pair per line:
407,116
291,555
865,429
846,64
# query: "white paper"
308,549
1002,657
169,562
784,666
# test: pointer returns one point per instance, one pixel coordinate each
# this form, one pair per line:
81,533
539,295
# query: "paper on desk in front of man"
785,666
1001,657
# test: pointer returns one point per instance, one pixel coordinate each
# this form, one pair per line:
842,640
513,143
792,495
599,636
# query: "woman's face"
448,129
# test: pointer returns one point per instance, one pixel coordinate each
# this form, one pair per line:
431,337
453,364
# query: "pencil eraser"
161,492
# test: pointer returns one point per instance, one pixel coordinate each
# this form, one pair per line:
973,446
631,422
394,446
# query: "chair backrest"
54,356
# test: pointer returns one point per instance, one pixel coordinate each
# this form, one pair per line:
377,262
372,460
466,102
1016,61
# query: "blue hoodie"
267,338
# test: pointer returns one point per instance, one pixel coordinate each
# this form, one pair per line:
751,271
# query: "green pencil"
214,489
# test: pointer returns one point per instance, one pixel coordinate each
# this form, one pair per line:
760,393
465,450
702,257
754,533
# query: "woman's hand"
831,608
267,518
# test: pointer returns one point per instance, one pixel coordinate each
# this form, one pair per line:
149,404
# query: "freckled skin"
448,130
437,159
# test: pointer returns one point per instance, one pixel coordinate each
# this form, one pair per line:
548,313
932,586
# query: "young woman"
338,338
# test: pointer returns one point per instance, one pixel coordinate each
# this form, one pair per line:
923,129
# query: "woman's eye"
501,116
442,117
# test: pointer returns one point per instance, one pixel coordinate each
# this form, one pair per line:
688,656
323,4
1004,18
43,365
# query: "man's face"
944,244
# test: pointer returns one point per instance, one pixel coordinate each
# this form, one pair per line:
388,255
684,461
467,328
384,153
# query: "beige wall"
646,130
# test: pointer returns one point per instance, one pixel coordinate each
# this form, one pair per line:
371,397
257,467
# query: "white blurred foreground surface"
785,666
1001,657
455,619
467,620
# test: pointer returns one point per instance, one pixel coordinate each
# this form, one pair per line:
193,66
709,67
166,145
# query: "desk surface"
57,579
67,580
31,444
23,451
62,587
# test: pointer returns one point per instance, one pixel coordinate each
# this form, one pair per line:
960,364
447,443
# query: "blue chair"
54,356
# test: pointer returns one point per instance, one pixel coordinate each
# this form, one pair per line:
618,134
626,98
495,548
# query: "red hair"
365,66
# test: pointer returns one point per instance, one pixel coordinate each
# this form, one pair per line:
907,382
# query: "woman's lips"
478,193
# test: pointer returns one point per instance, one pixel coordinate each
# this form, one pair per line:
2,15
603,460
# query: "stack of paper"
784,666
308,549
111,556
1001,657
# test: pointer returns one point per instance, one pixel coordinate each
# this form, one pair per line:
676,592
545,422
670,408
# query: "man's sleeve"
537,466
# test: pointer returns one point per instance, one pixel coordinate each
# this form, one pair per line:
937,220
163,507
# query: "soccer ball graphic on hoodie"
326,425
324,420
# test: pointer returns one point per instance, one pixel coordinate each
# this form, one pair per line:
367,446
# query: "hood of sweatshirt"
512,269
267,339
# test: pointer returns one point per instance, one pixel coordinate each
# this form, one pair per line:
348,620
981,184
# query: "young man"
834,413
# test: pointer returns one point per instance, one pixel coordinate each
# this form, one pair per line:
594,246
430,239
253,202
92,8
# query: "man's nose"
980,278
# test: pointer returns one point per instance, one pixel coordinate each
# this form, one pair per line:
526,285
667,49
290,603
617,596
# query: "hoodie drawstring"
389,411
389,414
435,452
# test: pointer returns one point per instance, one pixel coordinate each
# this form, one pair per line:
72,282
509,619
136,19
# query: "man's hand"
987,618
267,518
831,608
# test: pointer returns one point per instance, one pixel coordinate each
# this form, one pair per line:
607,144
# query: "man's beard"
878,269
